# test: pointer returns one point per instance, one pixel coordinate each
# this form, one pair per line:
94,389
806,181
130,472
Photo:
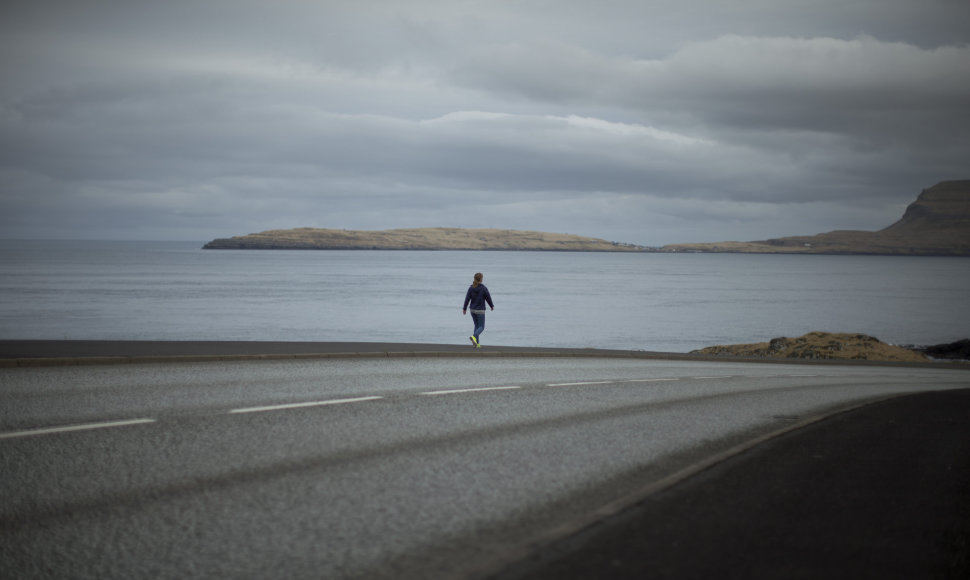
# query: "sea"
114,290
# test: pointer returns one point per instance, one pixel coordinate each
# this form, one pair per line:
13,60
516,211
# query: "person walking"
477,296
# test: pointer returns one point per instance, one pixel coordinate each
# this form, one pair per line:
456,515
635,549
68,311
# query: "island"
418,239
936,224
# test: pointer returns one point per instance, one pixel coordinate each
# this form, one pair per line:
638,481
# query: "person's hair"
477,280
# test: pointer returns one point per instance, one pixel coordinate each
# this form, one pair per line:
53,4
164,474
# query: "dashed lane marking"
123,423
581,383
474,390
299,405
69,428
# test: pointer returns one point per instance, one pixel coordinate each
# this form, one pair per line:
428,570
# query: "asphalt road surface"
371,468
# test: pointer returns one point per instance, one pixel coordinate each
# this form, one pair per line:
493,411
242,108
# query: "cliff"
936,224
416,239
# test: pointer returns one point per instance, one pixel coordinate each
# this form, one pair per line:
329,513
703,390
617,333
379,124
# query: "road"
369,468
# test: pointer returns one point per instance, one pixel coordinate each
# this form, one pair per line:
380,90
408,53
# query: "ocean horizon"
140,290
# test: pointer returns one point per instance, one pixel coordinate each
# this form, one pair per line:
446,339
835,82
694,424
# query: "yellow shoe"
474,342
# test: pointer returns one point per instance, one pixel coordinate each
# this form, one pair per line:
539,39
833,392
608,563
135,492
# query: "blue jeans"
479,321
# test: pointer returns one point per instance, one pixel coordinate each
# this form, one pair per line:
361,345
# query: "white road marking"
299,405
581,383
109,424
68,428
475,390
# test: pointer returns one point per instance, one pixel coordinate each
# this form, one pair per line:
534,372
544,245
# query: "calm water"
664,302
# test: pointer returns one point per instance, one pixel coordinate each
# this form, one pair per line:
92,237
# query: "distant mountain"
416,239
936,224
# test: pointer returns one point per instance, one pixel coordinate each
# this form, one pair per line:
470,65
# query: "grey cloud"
647,122
827,104
748,81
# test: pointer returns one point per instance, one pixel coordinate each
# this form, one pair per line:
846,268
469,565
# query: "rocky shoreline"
959,350
844,346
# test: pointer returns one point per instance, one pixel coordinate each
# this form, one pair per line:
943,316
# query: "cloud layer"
642,122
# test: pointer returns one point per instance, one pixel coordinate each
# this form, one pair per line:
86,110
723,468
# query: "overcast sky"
640,121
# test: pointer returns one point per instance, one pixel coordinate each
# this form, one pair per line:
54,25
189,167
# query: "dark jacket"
477,296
